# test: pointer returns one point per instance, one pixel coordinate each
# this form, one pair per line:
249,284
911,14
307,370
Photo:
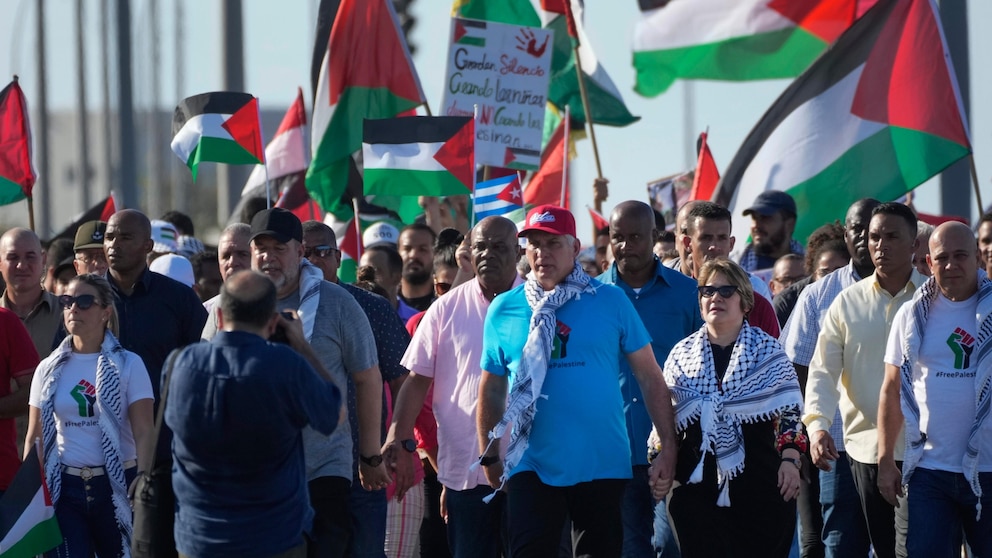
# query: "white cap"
165,237
175,267
381,233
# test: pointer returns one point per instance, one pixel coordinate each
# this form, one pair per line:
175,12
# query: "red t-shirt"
18,358
763,317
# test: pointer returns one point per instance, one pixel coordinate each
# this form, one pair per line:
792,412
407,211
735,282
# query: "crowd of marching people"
503,390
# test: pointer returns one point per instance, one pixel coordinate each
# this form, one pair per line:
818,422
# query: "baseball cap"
550,219
771,201
164,236
278,223
89,235
64,265
174,266
380,233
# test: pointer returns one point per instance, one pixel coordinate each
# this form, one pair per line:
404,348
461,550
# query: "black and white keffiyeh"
923,300
759,384
111,410
311,278
529,379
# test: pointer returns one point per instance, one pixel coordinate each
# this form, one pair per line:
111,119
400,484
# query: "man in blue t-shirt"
237,406
555,344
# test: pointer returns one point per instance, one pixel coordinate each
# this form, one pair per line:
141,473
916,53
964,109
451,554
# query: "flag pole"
572,30
974,182
475,119
564,156
358,228
31,212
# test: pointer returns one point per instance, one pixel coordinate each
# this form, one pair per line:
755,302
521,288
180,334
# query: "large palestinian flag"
366,72
17,174
27,517
419,156
734,40
222,127
877,115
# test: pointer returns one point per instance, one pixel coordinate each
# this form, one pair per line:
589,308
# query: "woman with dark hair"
446,260
737,407
91,403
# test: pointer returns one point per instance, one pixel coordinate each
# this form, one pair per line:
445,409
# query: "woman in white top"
91,405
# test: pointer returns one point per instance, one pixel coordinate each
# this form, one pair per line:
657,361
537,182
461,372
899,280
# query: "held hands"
373,478
822,449
889,481
788,480
661,473
397,461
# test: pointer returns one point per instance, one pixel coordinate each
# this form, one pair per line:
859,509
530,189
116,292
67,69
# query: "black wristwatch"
373,461
410,445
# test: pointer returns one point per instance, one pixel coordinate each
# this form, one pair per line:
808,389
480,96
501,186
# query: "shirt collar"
613,274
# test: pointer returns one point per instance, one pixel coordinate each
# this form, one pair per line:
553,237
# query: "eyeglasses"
83,302
321,251
726,291
789,279
442,288
89,259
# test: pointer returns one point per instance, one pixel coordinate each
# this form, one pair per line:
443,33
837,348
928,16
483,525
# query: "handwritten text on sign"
505,70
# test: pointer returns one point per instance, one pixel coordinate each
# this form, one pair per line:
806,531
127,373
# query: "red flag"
556,6
545,186
17,175
109,208
707,175
598,221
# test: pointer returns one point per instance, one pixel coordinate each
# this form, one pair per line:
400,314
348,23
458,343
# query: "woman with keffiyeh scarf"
91,404
737,407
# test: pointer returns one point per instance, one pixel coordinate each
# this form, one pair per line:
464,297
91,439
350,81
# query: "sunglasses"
442,288
726,291
320,251
83,302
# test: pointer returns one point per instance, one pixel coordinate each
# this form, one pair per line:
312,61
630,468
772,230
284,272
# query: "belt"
86,473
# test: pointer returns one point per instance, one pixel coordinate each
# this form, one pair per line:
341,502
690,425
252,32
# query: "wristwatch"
373,461
410,445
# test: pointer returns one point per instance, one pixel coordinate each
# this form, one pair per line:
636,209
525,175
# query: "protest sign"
668,194
505,71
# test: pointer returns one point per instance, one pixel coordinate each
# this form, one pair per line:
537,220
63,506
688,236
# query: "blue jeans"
646,531
941,507
845,532
475,528
85,512
368,522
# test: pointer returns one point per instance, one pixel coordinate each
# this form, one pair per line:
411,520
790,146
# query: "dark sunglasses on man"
322,251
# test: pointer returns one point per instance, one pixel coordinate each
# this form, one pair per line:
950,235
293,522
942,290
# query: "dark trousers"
476,529
331,531
844,530
433,532
810,514
367,509
537,514
86,516
887,526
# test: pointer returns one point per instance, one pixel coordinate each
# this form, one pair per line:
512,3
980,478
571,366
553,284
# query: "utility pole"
44,208
83,139
158,179
128,172
108,135
955,181
181,177
230,178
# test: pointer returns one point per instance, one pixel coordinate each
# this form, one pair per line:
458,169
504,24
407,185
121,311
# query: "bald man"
666,302
939,347
22,264
233,255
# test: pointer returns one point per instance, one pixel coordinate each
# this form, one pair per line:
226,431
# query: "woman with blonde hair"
91,404
737,406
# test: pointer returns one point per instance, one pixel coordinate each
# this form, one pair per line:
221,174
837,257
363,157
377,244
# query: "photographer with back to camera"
237,408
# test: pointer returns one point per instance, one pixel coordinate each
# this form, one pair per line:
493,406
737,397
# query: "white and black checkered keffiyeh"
311,278
111,410
529,379
749,258
923,299
758,385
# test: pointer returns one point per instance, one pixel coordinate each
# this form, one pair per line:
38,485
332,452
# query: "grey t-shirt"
342,339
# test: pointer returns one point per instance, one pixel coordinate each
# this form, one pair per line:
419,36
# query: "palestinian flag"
705,178
366,72
605,101
513,12
734,40
470,32
419,156
27,517
598,221
877,115
222,127
99,212
17,174
498,196
350,240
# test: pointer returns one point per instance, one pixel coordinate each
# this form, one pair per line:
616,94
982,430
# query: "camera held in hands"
279,335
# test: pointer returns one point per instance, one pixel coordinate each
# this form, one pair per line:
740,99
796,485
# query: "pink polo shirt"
448,348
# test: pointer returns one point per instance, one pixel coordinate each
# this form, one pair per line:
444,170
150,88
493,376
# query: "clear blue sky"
278,47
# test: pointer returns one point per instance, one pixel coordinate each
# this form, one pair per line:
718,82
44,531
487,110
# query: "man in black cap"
88,247
773,219
340,335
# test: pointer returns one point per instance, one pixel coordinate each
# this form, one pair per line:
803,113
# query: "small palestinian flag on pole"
27,516
419,156
17,174
222,127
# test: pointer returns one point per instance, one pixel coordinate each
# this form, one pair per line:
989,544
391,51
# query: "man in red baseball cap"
560,335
